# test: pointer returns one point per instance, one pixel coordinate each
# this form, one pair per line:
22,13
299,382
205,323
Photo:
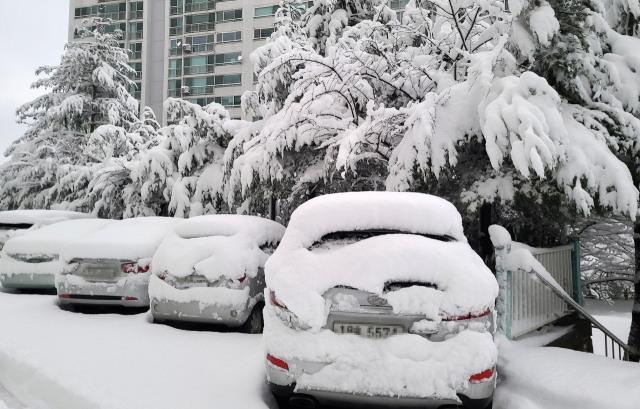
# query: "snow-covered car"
376,298
211,269
112,266
32,260
14,223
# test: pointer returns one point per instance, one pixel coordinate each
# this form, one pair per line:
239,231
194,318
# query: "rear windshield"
344,238
15,226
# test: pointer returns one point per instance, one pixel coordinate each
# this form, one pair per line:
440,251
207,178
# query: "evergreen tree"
183,175
86,117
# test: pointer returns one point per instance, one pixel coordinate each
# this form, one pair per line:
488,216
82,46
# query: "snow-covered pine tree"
183,175
85,116
434,103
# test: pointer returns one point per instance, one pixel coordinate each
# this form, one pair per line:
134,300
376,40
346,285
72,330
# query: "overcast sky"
34,33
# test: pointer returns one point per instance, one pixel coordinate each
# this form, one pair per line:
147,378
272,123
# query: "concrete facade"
172,38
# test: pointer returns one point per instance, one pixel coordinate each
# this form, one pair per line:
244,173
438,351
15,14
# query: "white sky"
34,33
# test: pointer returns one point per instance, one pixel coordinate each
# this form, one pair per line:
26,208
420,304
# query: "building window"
203,102
259,33
199,65
265,11
256,118
136,10
228,58
113,11
175,26
399,15
175,87
199,22
175,7
199,5
228,37
175,47
234,101
83,12
137,67
198,44
175,68
398,4
135,30
271,10
228,79
135,90
229,15
198,85
136,51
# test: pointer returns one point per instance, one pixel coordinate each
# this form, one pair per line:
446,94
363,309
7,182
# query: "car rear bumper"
132,294
28,281
196,311
328,399
282,383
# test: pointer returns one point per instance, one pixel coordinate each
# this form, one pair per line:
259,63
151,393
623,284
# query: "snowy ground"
71,360
616,318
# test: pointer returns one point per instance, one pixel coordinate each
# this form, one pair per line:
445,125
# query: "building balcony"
135,35
193,7
199,27
198,69
135,15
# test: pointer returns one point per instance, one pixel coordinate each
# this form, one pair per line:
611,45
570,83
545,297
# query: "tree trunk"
486,248
634,333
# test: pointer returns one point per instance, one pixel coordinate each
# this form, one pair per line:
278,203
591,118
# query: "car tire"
255,322
283,402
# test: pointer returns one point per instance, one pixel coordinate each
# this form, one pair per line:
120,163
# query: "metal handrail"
594,323
193,7
199,27
198,69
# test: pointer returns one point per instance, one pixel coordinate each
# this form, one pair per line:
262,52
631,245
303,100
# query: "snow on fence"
532,304
526,304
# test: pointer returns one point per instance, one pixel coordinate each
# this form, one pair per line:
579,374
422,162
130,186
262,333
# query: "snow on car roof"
33,216
50,239
216,245
129,239
401,211
299,276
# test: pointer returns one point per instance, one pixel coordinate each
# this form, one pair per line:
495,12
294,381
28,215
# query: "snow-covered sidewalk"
71,360
555,378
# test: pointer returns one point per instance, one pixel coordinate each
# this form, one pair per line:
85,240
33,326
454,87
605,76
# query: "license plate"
99,272
368,331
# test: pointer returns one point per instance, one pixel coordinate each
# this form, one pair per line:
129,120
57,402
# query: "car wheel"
255,322
283,402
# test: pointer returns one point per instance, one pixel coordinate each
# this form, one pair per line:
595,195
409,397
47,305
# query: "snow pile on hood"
216,245
129,239
299,276
43,217
50,239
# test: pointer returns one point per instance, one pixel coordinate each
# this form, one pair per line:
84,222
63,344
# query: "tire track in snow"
9,400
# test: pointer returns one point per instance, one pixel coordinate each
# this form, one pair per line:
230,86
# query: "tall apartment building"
194,49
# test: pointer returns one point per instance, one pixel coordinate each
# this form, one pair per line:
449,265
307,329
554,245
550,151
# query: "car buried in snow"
210,269
16,223
376,298
112,266
31,261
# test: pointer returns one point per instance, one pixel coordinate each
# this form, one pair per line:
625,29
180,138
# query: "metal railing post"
575,270
503,303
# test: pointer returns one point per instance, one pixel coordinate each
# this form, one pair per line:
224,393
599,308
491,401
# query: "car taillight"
274,301
129,299
241,279
162,276
64,296
133,268
482,376
277,362
467,317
